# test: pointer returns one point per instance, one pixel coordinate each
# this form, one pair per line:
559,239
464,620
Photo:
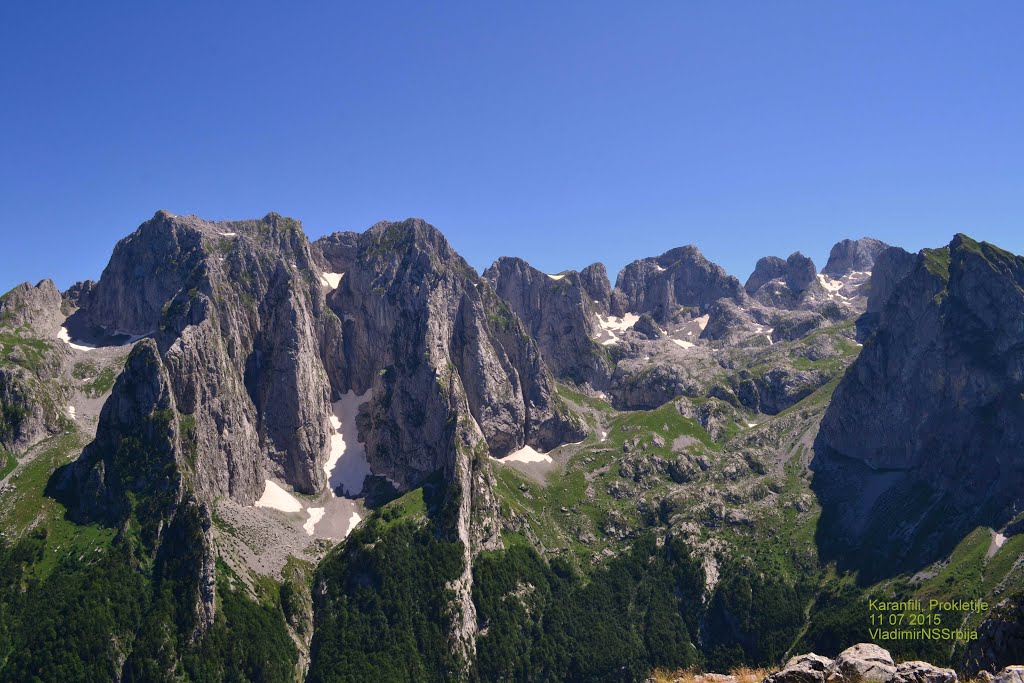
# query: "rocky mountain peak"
679,277
849,255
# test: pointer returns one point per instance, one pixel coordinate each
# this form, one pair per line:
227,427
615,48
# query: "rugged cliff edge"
946,360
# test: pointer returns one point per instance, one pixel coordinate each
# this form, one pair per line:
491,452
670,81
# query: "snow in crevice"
71,412
612,324
80,345
331,280
346,467
683,343
315,515
555,277
230,234
526,454
274,496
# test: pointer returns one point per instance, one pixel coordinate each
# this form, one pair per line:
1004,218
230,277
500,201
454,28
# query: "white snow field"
613,324
352,522
71,412
683,343
554,277
315,515
346,467
526,454
277,498
66,338
331,280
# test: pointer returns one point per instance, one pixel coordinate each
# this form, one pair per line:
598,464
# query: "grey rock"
809,668
648,328
1011,674
945,363
558,313
768,268
38,308
864,663
1000,641
598,286
850,255
678,278
922,672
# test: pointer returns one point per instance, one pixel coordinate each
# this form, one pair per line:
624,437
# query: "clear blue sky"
563,132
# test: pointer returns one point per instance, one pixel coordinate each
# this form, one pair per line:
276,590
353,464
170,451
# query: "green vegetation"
386,613
7,463
937,262
27,352
545,622
102,383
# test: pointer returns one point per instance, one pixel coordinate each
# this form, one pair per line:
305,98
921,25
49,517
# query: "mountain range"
244,455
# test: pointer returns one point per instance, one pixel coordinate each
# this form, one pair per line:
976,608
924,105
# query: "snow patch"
71,412
702,321
555,277
751,424
230,234
353,521
346,466
832,286
613,324
526,454
276,497
683,343
331,280
315,515
999,540
66,338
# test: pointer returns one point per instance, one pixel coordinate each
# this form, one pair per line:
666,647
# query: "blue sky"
564,133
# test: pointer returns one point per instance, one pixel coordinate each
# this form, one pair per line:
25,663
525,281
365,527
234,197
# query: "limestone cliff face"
453,376
237,311
594,279
31,402
679,277
889,269
930,417
424,332
559,313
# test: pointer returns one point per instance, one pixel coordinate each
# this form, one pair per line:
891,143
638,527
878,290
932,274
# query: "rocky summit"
241,454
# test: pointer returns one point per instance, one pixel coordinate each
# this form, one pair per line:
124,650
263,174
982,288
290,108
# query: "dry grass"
741,674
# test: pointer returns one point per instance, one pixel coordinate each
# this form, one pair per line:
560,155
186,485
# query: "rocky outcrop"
922,672
929,418
238,312
864,663
32,401
848,256
890,267
680,277
558,313
37,308
809,668
598,286
1000,641
421,330
766,269
785,284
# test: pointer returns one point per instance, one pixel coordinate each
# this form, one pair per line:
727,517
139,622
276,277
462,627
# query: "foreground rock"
861,663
